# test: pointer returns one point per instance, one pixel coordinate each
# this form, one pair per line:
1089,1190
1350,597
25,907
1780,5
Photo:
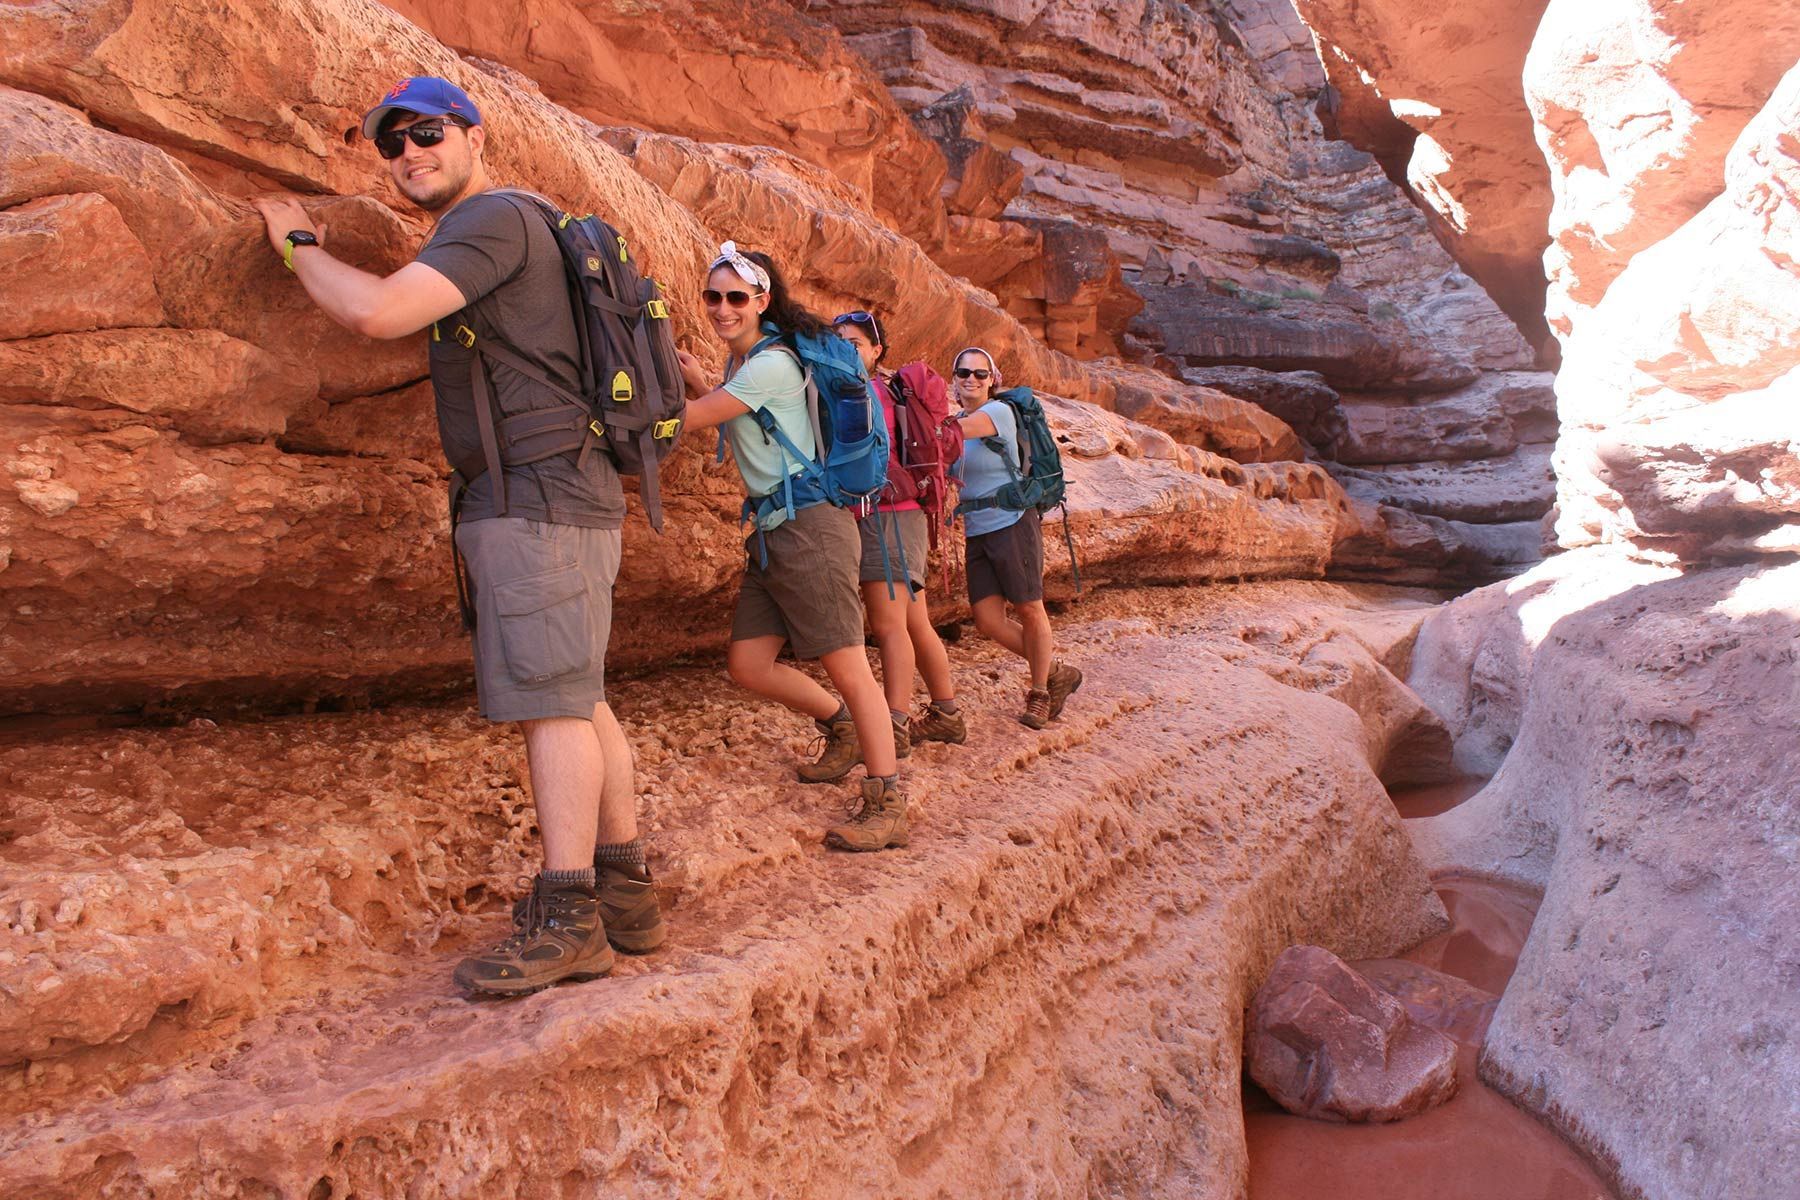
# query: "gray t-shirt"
501,255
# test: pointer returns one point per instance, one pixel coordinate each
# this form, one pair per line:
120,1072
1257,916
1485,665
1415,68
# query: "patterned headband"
742,267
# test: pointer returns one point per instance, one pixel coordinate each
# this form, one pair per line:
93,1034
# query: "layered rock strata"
231,946
1189,139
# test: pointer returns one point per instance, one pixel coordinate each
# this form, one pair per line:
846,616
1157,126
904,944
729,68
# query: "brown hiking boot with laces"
902,740
939,726
1037,708
877,820
840,752
628,909
1065,681
557,935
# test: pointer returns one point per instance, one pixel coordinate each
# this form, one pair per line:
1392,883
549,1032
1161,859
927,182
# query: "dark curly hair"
784,310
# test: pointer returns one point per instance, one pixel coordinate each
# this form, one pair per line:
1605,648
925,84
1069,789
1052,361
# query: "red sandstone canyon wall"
243,502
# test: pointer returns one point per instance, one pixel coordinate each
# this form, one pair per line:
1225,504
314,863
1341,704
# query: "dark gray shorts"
807,594
908,532
1008,562
543,615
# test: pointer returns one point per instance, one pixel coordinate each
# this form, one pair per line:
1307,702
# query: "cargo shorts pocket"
543,621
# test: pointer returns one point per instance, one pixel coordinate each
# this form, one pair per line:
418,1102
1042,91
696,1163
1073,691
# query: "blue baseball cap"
426,95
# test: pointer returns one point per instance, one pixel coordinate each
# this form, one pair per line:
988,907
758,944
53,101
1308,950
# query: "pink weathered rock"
1326,1043
86,270
1643,719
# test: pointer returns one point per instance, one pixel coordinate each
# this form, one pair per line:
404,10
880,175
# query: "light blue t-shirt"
984,472
770,380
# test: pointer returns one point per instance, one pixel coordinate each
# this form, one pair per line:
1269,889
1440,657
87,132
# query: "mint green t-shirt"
770,380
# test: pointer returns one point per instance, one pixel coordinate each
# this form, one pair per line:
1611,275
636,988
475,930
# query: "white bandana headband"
992,365
742,267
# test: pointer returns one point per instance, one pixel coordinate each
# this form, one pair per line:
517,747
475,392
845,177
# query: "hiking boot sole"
600,965
837,843
1031,722
638,941
803,777
946,739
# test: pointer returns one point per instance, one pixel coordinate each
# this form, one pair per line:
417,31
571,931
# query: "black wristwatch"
299,237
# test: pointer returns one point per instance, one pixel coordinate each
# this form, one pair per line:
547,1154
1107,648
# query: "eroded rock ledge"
229,948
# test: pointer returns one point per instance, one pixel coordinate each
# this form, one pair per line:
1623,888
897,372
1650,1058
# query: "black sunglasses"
977,372
391,143
736,299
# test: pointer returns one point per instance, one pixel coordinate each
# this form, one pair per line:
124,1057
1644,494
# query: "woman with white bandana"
1005,547
800,576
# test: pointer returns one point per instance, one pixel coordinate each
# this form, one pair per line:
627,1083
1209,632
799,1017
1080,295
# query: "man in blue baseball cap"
540,546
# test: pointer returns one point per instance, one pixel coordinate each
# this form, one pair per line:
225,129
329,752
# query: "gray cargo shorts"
543,615
908,535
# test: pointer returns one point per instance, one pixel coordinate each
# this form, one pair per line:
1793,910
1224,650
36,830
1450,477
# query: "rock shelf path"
226,951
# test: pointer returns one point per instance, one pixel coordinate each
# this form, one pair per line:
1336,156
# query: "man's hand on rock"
283,215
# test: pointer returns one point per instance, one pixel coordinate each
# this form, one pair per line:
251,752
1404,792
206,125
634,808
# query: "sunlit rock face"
1434,92
1680,395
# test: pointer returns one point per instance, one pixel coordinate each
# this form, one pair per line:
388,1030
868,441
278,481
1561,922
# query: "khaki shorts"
908,532
1008,562
807,594
543,615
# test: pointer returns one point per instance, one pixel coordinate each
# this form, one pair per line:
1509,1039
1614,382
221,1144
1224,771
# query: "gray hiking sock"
899,717
948,707
627,855
842,714
566,879
887,781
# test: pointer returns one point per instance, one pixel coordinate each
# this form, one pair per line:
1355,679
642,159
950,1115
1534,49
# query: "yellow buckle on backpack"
621,388
658,310
464,335
595,428
665,429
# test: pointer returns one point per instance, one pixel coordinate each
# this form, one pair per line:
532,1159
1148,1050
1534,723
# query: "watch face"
301,237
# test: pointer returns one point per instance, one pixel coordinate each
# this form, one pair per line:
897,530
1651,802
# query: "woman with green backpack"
1005,544
799,586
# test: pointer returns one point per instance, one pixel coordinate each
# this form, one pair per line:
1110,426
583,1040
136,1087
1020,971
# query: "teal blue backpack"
848,429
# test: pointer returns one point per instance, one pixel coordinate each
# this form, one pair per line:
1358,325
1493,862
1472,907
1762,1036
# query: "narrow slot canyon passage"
1479,1145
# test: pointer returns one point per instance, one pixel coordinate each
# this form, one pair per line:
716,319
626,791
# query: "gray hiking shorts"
543,615
807,594
908,535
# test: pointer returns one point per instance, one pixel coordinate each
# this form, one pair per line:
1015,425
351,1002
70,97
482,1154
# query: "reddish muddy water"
1476,1147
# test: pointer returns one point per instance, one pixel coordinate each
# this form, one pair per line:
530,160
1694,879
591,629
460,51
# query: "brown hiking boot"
629,910
877,820
939,726
557,935
1037,708
1064,682
840,752
902,740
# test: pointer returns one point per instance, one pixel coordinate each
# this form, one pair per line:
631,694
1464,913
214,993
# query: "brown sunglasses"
736,299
